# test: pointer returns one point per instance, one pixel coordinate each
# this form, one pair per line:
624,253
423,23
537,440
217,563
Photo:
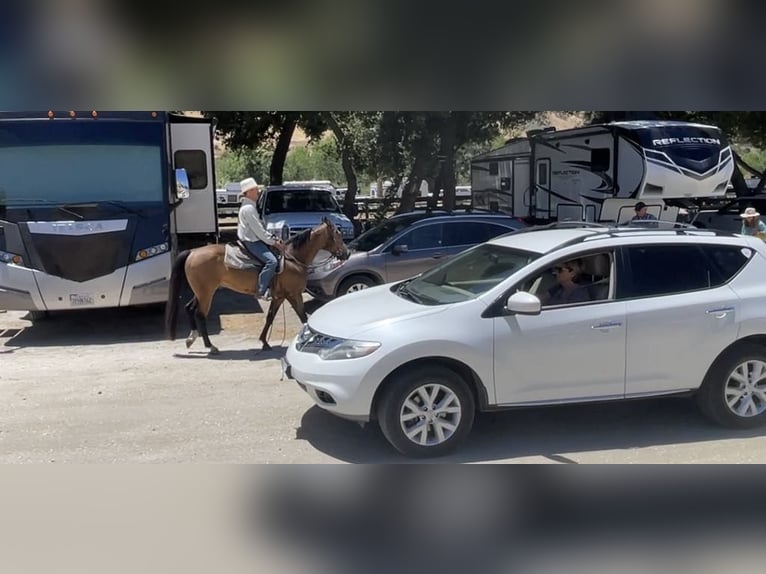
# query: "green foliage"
236,165
317,161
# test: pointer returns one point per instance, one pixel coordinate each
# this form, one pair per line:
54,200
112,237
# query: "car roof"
296,187
544,239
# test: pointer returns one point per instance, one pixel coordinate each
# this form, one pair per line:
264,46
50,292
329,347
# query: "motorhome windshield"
66,162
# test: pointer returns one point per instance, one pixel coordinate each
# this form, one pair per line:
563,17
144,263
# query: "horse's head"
333,240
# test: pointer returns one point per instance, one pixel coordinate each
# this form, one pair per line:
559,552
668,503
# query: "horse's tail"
177,277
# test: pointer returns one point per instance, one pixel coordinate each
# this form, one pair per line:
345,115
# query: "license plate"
286,374
78,300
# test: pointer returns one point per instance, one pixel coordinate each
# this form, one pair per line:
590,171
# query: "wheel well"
461,369
371,276
759,340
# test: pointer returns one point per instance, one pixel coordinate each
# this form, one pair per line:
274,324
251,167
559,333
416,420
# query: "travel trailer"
598,172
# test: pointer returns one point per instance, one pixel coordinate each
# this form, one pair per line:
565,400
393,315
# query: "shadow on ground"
121,325
553,433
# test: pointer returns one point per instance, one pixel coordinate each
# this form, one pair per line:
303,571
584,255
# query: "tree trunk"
447,159
276,172
346,155
412,189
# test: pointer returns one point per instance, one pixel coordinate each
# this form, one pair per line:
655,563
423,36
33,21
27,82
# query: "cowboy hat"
246,185
750,212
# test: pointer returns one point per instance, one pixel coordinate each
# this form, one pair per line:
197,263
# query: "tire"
38,316
355,283
737,377
395,408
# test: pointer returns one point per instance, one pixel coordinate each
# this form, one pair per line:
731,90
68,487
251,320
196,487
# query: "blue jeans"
263,253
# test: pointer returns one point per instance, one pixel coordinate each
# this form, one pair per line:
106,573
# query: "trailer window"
195,163
600,159
542,173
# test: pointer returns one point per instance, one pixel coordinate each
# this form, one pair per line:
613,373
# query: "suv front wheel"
733,393
426,411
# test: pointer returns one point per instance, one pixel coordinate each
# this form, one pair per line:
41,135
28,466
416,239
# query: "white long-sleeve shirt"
250,227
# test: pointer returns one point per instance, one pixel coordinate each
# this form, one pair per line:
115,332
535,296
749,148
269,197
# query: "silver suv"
647,312
404,246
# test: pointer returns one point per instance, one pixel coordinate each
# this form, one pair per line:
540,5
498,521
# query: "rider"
254,236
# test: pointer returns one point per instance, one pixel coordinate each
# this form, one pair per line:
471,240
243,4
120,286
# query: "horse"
204,271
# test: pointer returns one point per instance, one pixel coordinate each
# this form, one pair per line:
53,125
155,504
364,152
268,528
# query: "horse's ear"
325,220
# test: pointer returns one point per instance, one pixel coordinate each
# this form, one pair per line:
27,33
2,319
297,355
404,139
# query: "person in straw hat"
255,238
752,224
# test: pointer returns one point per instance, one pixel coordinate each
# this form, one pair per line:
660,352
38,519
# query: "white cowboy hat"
750,212
246,185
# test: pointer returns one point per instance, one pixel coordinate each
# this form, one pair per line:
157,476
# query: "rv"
94,206
598,172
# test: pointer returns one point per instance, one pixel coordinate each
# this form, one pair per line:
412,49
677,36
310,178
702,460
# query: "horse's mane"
299,240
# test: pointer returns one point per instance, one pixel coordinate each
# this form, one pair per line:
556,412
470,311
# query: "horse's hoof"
191,338
214,350
266,346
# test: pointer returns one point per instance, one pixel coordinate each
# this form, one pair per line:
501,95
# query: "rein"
309,267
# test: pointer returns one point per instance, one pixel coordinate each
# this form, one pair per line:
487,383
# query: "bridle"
311,267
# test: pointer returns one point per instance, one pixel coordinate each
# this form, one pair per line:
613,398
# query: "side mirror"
182,183
523,303
399,249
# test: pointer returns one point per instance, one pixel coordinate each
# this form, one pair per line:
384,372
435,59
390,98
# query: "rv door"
543,205
192,150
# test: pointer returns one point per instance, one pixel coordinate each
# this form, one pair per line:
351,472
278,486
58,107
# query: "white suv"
560,314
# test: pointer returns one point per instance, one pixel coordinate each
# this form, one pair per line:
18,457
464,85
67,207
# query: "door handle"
720,312
437,256
607,325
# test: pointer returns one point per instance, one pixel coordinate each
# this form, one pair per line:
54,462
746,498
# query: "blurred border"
340,54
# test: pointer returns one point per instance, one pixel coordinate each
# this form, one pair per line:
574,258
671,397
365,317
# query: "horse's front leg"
273,308
297,304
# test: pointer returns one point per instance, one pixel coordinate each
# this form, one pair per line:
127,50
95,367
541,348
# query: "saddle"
238,257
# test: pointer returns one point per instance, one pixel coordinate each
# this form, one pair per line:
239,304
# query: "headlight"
13,258
332,348
151,251
333,263
348,350
280,230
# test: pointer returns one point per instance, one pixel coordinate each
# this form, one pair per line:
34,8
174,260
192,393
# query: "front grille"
79,258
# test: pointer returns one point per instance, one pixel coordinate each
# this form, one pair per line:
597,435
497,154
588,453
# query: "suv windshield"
301,200
379,234
467,276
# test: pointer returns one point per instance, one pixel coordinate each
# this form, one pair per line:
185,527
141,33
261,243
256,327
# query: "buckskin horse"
204,270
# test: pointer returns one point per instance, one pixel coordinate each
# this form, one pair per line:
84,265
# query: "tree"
251,130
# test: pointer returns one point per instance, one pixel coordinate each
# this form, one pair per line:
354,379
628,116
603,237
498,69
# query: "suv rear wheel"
733,393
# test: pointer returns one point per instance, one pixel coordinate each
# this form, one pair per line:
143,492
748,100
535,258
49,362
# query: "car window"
381,233
575,280
427,236
729,259
471,232
667,269
467,275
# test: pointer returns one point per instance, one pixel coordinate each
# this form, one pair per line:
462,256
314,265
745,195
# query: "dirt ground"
107,386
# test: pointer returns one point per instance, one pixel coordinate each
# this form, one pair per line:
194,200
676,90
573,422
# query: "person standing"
752,224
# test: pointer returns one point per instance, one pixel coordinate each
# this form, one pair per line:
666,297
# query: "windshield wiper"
45,202
112,202
407,294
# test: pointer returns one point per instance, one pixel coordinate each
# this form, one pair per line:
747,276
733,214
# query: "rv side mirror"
399,249
523,303
182,183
